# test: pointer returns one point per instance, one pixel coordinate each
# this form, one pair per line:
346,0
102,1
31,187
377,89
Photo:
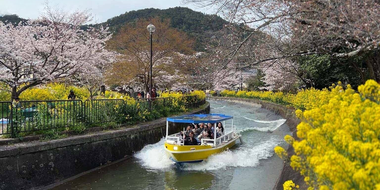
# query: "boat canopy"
199,118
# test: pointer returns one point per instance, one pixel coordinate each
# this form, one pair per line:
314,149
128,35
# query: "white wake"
241,157
155,157
270,126
218,108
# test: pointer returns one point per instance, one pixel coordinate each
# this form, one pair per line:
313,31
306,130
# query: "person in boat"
187,132
210,128
204,135
198,130
220,125
190,140
194,127
219,132
201,127
205,129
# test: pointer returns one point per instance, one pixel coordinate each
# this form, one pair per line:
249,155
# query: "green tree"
320,71
256,82
133,42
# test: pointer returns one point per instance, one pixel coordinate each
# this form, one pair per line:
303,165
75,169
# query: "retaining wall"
292,121
34,165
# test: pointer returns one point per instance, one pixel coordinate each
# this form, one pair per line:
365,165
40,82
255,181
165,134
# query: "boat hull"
195,153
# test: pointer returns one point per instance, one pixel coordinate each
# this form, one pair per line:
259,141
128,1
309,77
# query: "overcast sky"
100,9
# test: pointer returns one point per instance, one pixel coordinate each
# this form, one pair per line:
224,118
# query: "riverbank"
292,121
37,164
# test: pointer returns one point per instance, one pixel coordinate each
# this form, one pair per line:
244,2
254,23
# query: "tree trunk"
376,66
359,70
15,94
369,62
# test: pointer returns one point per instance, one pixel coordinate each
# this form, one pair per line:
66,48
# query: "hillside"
11,18
195,24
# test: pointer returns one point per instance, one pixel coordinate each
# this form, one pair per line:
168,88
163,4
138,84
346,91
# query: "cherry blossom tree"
339,28
51,48
91,80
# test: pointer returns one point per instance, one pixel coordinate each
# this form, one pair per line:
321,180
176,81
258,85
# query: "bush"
200,94
339,145
53,134
78,128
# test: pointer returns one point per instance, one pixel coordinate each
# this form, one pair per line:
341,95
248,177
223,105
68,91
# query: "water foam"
270,127
216,108
154,156
241,157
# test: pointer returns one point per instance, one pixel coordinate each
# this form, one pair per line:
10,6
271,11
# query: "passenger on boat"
190,140
210,130
219,132
198,131
220,125
187,132
195,128
202,127
204,135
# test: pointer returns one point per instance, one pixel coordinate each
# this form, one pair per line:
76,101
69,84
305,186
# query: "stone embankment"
36,164
292,121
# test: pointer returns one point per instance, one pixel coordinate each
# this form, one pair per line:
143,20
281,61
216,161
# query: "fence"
31,116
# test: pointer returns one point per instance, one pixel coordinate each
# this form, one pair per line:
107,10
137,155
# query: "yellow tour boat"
181,153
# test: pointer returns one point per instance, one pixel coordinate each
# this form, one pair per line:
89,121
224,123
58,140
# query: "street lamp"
241,77
151,28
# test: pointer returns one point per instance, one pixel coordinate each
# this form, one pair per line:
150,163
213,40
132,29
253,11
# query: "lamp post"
151,28
241,77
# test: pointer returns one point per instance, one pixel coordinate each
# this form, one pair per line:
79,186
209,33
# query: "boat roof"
199,118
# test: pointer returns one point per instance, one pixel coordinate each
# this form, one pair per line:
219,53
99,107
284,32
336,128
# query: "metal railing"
29,116
177,139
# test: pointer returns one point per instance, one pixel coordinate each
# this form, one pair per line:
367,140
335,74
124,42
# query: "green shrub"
78,129
52,134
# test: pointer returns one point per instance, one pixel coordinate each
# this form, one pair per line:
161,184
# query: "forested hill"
11,18
195,24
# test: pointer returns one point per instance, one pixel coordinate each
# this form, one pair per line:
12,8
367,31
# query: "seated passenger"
187,132
194,128
219,132
210,126
190,140
210,130
201,126
198,131
220,125
204,135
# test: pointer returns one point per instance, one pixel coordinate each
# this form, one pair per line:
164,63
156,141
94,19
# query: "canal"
250,165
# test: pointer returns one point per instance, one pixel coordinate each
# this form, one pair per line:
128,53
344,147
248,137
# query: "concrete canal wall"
34,165
292,121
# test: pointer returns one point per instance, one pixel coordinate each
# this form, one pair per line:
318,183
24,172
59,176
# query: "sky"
100,9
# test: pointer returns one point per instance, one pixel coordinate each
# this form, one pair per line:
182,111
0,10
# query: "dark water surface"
250,165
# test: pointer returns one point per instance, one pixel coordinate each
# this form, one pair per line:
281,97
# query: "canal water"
249,165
